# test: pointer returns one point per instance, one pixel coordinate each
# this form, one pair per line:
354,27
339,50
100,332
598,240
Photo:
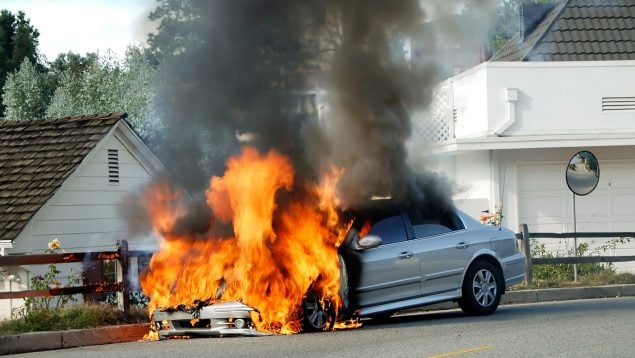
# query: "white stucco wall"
553,97
470,174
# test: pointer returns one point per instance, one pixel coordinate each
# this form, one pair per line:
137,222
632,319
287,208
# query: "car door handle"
463,245
405,255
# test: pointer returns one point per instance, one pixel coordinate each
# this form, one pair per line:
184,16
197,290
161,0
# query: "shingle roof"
35,159
578,30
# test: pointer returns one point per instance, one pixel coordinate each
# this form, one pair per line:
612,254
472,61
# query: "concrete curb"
569,293
40,341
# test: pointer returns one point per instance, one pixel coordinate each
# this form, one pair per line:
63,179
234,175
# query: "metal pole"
575,242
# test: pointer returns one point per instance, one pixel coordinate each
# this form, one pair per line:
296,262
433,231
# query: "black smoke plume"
241,70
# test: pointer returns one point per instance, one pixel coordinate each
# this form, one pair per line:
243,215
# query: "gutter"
511,97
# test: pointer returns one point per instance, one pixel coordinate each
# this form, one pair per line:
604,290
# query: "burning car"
230,318
394,257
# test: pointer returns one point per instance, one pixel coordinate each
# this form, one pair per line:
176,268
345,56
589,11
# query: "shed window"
113,166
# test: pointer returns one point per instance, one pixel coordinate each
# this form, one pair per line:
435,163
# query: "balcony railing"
436,123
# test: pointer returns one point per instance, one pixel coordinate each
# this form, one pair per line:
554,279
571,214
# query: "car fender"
479,254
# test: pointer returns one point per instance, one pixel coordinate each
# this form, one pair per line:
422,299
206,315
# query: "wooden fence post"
527,251
123,298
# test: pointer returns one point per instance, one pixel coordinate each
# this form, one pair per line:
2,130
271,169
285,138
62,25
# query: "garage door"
545,203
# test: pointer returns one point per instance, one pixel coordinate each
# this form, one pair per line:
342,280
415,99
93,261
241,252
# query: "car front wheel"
318,314
482,289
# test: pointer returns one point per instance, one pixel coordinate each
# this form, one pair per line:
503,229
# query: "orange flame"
279,251
365,229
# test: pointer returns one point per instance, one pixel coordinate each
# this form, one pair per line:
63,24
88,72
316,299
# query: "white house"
505,130
64,179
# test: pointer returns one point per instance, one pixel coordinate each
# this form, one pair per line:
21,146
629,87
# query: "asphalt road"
588,328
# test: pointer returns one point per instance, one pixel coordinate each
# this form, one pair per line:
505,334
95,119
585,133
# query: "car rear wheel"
318,315
482,289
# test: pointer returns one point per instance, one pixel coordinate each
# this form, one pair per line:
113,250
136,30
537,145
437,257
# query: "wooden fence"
121,287
526,236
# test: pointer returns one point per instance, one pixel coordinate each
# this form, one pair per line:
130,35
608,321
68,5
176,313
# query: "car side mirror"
369,241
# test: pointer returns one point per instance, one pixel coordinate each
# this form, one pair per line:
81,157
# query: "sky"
83,26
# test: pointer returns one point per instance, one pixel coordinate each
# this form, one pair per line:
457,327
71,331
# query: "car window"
432,222
390,230
452,220
424,230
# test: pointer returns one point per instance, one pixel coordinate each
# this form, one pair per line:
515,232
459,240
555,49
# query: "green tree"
73,62
180,26
107,85
24,94
18,40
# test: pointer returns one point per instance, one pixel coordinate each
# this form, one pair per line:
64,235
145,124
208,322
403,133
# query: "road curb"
41,341
568,293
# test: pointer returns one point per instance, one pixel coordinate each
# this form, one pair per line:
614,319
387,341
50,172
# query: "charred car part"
231,318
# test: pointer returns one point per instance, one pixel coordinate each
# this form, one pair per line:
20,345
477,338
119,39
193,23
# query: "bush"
558,275
77,317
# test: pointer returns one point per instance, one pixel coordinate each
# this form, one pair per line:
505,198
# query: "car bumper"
232,318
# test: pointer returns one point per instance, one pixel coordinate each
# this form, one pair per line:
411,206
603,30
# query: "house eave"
528,142
4,245
132,141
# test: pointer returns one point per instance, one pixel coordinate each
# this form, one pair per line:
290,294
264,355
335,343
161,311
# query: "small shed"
64,179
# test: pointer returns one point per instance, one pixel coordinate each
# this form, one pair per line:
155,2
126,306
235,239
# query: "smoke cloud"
246,66
372,94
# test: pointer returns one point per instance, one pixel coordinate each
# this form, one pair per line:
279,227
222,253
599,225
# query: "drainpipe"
511,96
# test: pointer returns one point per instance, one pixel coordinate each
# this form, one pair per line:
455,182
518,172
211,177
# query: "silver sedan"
396,258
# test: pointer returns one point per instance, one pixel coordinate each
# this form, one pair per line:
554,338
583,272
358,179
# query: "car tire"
482,289
317,315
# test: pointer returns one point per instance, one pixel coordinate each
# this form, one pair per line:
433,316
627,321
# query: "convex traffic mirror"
583,173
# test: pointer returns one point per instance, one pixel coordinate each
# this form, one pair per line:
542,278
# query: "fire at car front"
231,318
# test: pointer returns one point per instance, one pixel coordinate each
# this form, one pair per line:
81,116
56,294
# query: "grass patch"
77,317
590,279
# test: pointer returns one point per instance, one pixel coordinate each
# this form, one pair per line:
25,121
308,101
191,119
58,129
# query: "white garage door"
545,203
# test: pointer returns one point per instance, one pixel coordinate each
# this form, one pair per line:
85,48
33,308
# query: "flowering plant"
53,246
50,280
494,219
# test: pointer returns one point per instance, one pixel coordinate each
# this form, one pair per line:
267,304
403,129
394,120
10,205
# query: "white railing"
436,123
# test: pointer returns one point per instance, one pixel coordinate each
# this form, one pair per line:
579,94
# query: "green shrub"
557,275
76,317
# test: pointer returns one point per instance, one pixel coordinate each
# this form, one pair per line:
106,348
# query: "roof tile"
36,156
582,29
